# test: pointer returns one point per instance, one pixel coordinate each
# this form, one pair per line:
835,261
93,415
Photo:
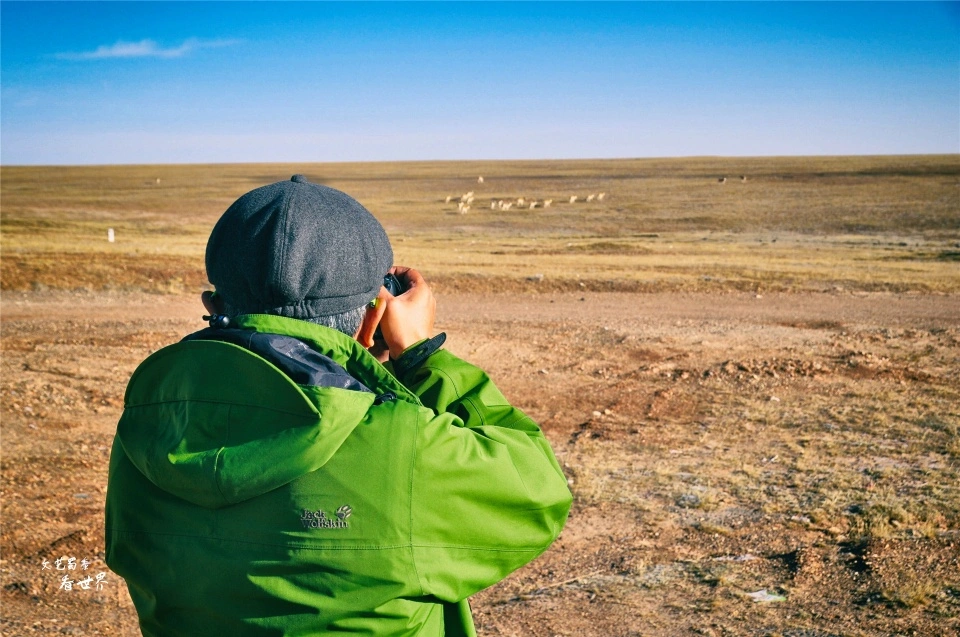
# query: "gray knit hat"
297,249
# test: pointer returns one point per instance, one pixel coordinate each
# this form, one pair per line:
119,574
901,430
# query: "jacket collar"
343,349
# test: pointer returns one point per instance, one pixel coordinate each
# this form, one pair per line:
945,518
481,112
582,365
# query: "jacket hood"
214,424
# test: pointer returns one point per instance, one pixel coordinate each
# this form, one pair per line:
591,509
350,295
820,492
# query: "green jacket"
241,502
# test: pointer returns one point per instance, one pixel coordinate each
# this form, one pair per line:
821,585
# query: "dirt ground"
776,465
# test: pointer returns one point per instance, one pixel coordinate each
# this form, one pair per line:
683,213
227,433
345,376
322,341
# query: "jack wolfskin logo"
319,520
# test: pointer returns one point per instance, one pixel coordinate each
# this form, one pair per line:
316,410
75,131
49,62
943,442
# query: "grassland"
864,223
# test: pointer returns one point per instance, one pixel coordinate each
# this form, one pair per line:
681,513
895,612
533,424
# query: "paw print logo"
344,512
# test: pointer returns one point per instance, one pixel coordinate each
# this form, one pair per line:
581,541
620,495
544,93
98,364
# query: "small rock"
763,596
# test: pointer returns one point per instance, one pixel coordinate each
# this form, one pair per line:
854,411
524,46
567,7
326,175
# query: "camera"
393,285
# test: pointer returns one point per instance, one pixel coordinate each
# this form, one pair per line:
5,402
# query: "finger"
410,277
372,317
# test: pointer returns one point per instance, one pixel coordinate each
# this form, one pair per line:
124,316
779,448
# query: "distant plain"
867,223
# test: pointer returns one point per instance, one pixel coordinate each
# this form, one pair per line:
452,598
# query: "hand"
407,318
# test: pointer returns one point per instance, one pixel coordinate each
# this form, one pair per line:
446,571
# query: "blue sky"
183,82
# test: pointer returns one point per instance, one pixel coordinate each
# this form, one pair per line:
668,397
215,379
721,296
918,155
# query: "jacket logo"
319,520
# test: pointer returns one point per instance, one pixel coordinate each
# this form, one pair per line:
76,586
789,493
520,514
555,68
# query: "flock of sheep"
465,201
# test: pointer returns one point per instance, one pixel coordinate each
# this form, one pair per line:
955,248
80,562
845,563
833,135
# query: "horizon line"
464,161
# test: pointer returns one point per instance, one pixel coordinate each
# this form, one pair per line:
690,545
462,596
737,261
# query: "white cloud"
145,48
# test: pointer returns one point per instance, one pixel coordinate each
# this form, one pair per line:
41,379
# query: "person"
284,472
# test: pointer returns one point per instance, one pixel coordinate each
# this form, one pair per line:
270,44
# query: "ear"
371,319
212,302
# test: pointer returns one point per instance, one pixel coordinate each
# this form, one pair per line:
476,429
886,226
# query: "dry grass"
911,594
858,223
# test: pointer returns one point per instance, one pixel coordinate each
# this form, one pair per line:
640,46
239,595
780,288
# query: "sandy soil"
717,445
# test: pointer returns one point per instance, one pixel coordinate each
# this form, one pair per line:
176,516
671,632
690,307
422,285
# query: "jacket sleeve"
488,494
